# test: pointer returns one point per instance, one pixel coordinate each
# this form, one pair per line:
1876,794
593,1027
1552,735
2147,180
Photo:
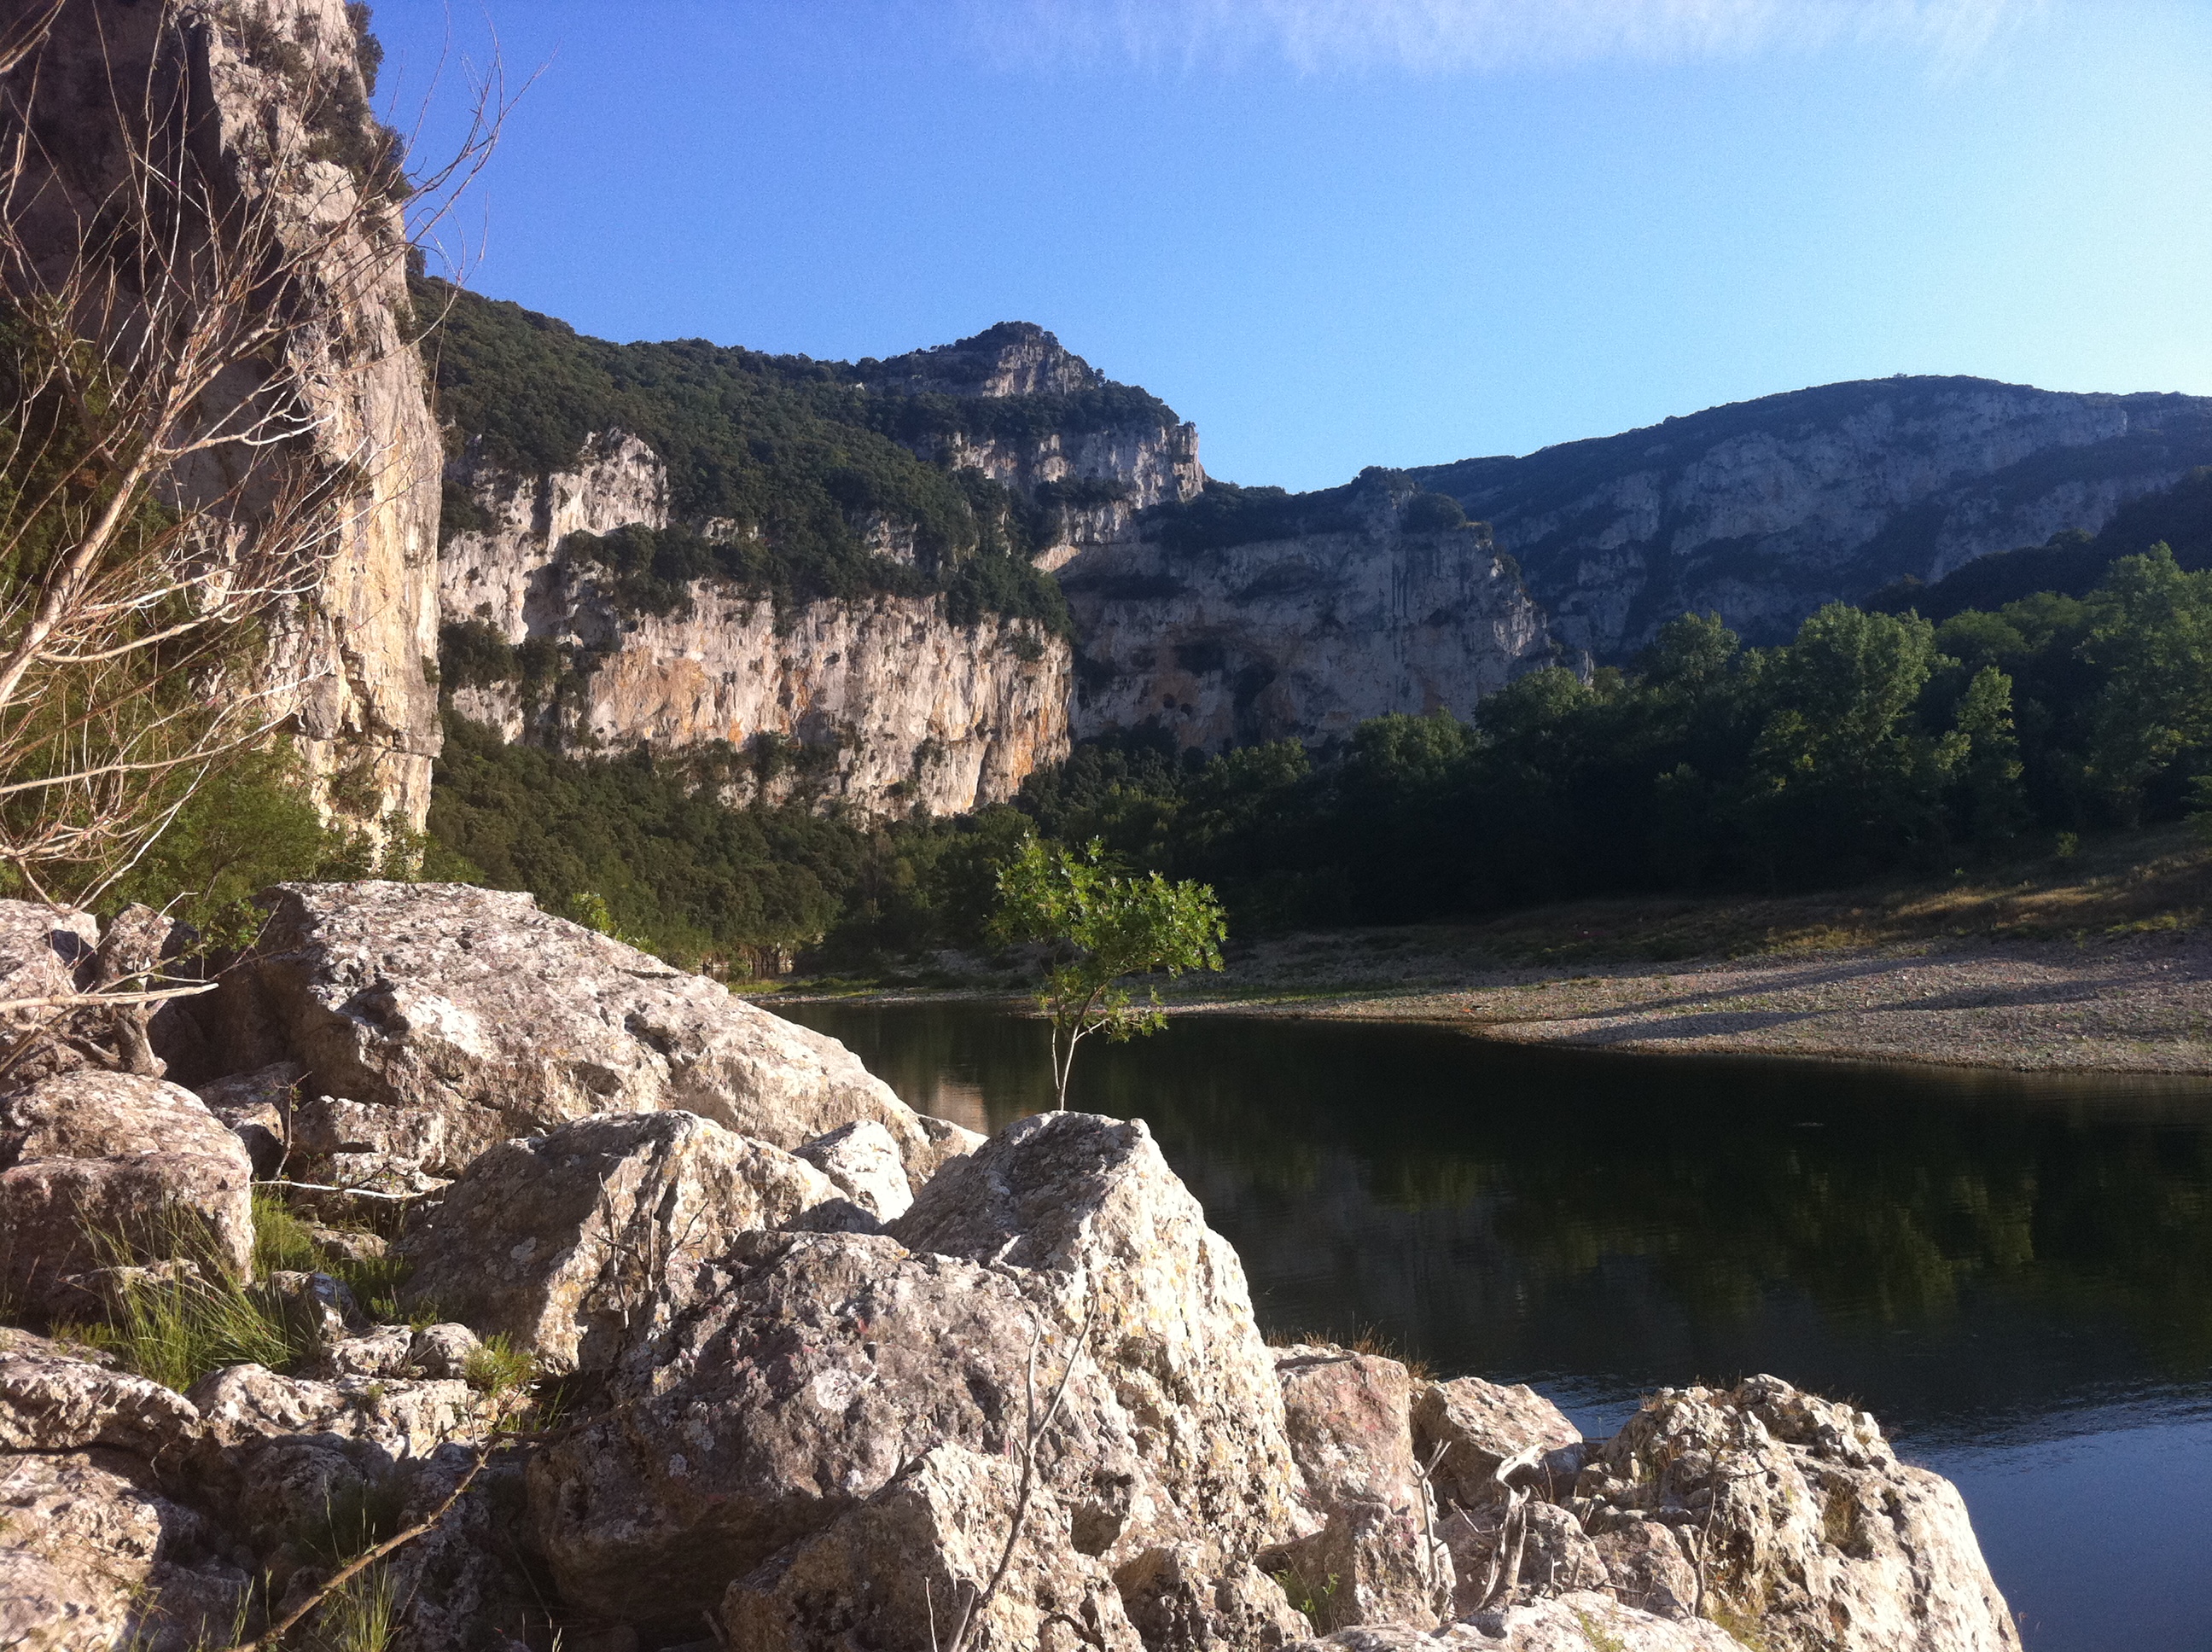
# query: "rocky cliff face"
1236,615
890,705
352,654
1090,473
1304,636
1766,509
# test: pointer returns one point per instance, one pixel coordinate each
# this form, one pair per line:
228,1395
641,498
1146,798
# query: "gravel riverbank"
2135,1006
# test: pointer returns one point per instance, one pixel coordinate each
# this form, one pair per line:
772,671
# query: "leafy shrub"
474,655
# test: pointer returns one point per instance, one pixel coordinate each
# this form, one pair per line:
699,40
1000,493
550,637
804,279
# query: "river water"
2014,1273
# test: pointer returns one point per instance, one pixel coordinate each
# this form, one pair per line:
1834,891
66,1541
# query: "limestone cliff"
879,700
1305,636
1766,509
1100,453
915,681
350,657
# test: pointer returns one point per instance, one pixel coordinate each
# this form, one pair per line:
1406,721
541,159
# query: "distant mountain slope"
1763,510
2072,562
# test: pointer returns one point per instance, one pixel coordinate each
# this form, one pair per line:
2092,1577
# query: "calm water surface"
2014,1274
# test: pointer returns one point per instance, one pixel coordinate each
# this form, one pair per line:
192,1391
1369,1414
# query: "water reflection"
1960,1252
2015,1273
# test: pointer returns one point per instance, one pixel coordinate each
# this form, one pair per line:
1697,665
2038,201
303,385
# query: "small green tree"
1105,925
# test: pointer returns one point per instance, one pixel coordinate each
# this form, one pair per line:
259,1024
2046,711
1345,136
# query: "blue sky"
1341,233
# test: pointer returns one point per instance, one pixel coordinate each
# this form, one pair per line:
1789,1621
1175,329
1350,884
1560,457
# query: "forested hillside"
1870,743
789,460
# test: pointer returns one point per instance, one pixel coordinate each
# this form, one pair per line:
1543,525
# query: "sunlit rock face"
1763,510
889,705
345,664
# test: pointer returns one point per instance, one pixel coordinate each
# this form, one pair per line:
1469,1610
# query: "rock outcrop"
816,1367
836,1381
570,1244
1091,470
896,706
1766,509
98,1168
1304,637
349,659
1804,1522
472,1011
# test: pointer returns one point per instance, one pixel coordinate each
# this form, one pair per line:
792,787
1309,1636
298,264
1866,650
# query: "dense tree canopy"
1871,743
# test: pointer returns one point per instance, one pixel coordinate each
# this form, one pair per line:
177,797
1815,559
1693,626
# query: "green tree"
2151,632
1104,925
1992,806
1844,777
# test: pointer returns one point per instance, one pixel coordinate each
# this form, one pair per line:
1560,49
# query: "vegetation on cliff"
1226,514
2070,562
1872,744
798,459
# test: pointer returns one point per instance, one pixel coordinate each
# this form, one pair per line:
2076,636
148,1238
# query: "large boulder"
1371,1563
1185,1598
94,1557
45,953
1522,1549
863,1160
1473,1429
257,1107
50,1401
241,1405
1648,1567
93,1553
500,1020
94,1165
571,1244
45,957
1810,1531
1346,1417
1087,1208
813,1369
896,1572
1379,1558
1578,1622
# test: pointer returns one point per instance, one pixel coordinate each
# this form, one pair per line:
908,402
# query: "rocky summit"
601,1309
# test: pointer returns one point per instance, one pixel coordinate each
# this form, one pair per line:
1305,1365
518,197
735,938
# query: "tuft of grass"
497,1367
283,1243
362,1617
1839,1519
375,1282
1307,1599
354,1519
175,1322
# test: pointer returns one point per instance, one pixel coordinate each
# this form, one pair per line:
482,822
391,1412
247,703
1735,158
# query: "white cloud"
1475,36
